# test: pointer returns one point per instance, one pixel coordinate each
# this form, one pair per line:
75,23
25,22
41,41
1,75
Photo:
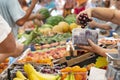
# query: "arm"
106,14
103,14
8,45
94,24
7,41
94,48
17,52
28,13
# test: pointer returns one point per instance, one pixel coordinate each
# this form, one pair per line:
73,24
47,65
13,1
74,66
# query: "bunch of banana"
70,77
20,76
32,73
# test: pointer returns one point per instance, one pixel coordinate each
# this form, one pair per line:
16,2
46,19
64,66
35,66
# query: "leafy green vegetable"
32,36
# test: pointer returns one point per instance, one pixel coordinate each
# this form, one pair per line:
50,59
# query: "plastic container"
81,36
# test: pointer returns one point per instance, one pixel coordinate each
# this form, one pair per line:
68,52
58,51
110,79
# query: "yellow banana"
20,75
33,77
17,79
29,69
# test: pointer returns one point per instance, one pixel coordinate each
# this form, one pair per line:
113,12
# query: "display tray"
82,60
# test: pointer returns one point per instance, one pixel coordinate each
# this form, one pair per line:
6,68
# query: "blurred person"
112,15
94,3
13,13
109,25
50,4
80,6
8,45
39,5
107,3
59,7
23,4
29,25
68,6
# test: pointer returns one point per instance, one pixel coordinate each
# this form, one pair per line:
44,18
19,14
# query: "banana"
33,77
17,79
68,77
58,77
20,75
72,76
29,69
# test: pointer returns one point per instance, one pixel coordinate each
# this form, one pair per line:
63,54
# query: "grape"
84,19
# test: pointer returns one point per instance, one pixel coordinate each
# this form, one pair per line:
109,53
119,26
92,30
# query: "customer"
8,46
80,6
12,12
106,14
108,25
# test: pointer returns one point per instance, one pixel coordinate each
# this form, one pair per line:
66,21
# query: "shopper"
108,25
8,46
68,6
106,14
80,6
12,12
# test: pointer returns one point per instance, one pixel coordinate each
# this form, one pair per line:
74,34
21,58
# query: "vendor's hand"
38,22
93,48
39,16
88,12
28,24
92,24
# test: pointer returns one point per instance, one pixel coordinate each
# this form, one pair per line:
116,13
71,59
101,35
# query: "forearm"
27,15
32,16
101,51
103,26
103,13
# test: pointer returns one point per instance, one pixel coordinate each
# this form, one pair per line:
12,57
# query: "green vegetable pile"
32,36
54,20
41,39
70,19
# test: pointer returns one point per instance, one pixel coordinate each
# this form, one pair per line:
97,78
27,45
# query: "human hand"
84,17
92,47
92,24
28,25
38,22
39,16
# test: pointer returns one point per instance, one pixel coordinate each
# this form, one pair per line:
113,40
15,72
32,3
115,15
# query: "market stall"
53,54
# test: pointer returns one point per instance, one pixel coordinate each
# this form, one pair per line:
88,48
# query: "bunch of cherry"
84,19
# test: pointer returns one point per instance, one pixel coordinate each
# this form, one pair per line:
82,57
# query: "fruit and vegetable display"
108,41
44,56
46,72
57,38
30,72
50,57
